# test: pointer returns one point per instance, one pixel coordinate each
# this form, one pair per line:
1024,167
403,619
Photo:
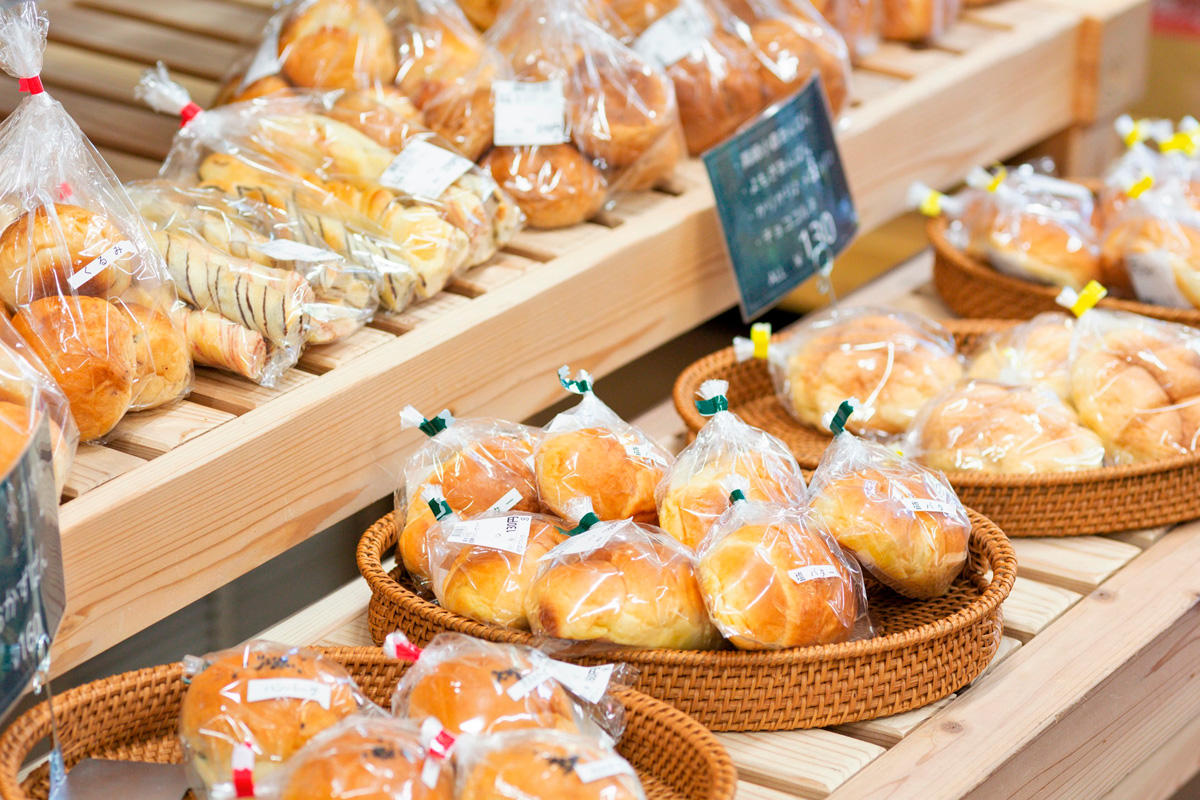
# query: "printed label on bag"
1153,279
604,768
589,683
287,250
926,504
510,533
424,170
530,682
98,265
580,543
813,572
529,113
506,503
673,36
266,60
289,688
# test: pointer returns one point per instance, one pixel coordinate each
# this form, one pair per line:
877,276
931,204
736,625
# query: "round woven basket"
134,717
973,289
1102,500
925,651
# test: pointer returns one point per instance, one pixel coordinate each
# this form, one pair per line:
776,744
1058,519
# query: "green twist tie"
838,423
737,496
579,386
585,523
432,427
712,405
440,508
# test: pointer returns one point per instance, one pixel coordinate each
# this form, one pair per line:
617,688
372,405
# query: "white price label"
98,265
674,36
589,683
604,768
530,682
813,572
529,113
1154,280
928,505
289,688
505,503
579,543
266,61
424,170
510,533
287,250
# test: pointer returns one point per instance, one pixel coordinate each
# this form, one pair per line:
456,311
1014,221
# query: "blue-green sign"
782,198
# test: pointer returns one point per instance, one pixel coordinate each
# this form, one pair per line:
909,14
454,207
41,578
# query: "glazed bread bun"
789,52
42,249
481,13
596,464
1156,247
489,585
1138,386
917,20
555,185
164,361
656,165
365,758
337,44
1036,353
1042,249
717,89
898,361
462,115
636,587
433,56
472,481
618,121
982,426
233,92
217,711
540,765
747,571
389,121
16,430
87,345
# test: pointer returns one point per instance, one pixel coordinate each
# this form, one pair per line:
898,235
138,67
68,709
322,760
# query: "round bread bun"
1165,248
87,345
337,44
873,355
1036,353
164,361
40,251
788,55
717,89
215,714
542,766
656,165
365,758
756,604
390,121
982,426
555,185
471,481
1042,249
595,463
433,56
1140,390
636,588
638,15
481,13
462,115
618,121
917,553
914,20
489,585
233,92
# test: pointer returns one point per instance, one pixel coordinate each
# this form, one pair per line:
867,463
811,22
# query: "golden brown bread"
917,20
233,92
616,122
1169,248
641,14
541,766
383,119
555,185
87,346
164,361
462,115
435,54
790,54
1040,248
482,13
717,89
337,44
1037,352
596,463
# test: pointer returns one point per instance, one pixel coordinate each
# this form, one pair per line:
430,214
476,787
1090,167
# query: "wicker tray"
1104,500
973,289
134,716
926,650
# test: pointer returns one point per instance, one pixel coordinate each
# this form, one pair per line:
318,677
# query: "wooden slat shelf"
183,500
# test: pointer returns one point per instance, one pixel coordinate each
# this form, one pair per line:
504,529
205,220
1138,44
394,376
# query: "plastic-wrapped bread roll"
1034,353
773,577
437,46
1154,240
903,522
336,44
888,362
589,453
981,426
918,20
859,22
694,493
218,342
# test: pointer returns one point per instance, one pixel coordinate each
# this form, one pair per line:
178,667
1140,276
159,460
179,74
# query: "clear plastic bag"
918,20
623,583
477,688
543,765
589,453
1033,353
1136,382
27,394
981,426
437,46
478,465
87,289
886,362
773,577
903,522
246,711
695,492
482,568
1153,243
858,21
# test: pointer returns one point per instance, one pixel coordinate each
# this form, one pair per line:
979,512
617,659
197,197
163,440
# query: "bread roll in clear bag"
477,465
86,288
887,362
1136,382
437,46
903,522
621,583
982,426
248,710
589,453
476,688
773,577
543,765
693,494
858,21
918,20
1033,353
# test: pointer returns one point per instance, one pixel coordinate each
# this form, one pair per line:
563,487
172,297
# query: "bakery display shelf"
184,499
1093,693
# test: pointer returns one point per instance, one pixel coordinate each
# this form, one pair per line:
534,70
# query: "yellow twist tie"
997,179
1183,141
931,204
1092,293
1139,187
1138,133
760,334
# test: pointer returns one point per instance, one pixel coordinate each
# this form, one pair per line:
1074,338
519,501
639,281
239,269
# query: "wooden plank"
752,791
1032,606
906,61
418,313
95,465
1008,646
1078,563
866,85
129,167
1165,770
1112,57
236,395
322,358
108,77
810,764
148,434
965,36
213,18
545,245
887,731
1143,538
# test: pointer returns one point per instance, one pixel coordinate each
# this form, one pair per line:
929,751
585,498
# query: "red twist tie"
243,770
32,85
440,746
397,644
64,192
188,113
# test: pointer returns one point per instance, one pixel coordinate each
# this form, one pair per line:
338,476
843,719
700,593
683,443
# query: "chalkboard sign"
782,198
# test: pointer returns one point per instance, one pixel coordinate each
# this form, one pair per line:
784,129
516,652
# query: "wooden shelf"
183,500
